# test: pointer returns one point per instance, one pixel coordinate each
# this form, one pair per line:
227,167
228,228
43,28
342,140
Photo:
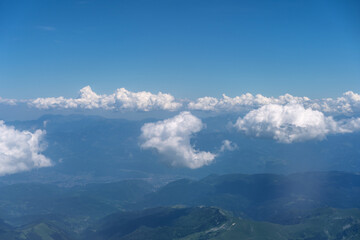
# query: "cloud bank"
347,104
125,100
292,123
171,137
241,103
8,101
122,99
20,150
285,118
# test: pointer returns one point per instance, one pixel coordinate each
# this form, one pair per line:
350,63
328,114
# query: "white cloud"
292,123
87,100
286,123
122,99
7,101
20,150
205,103
171,137
347,104
125,100
349,125
145,100
243,102
227,145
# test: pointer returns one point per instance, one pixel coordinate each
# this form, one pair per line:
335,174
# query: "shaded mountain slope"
208,223
266,197
159,223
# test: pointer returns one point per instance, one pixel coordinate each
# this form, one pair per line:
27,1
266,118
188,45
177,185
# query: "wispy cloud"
227,145
8,101
46,28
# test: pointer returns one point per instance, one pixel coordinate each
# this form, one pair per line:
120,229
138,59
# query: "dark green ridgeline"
157,223
35,231
212,223
198,223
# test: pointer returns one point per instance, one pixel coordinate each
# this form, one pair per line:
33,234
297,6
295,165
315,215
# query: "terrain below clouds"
103,185
298,206
86,149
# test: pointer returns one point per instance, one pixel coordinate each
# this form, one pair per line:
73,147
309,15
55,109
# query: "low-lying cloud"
21,150
171,138
285,118
347,104
292,123
241,103
125,100
227,145
122,99
7,101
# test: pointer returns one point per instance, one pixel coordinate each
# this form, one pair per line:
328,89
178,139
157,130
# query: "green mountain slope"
326,224
42,231
159,223
207,223
35,231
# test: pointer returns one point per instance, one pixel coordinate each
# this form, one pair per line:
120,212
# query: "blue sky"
187,48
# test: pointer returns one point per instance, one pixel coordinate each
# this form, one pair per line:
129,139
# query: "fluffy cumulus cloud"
171,137
292,122
145,100
347,104
122,99
20,150
288,118
243,102
87,100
